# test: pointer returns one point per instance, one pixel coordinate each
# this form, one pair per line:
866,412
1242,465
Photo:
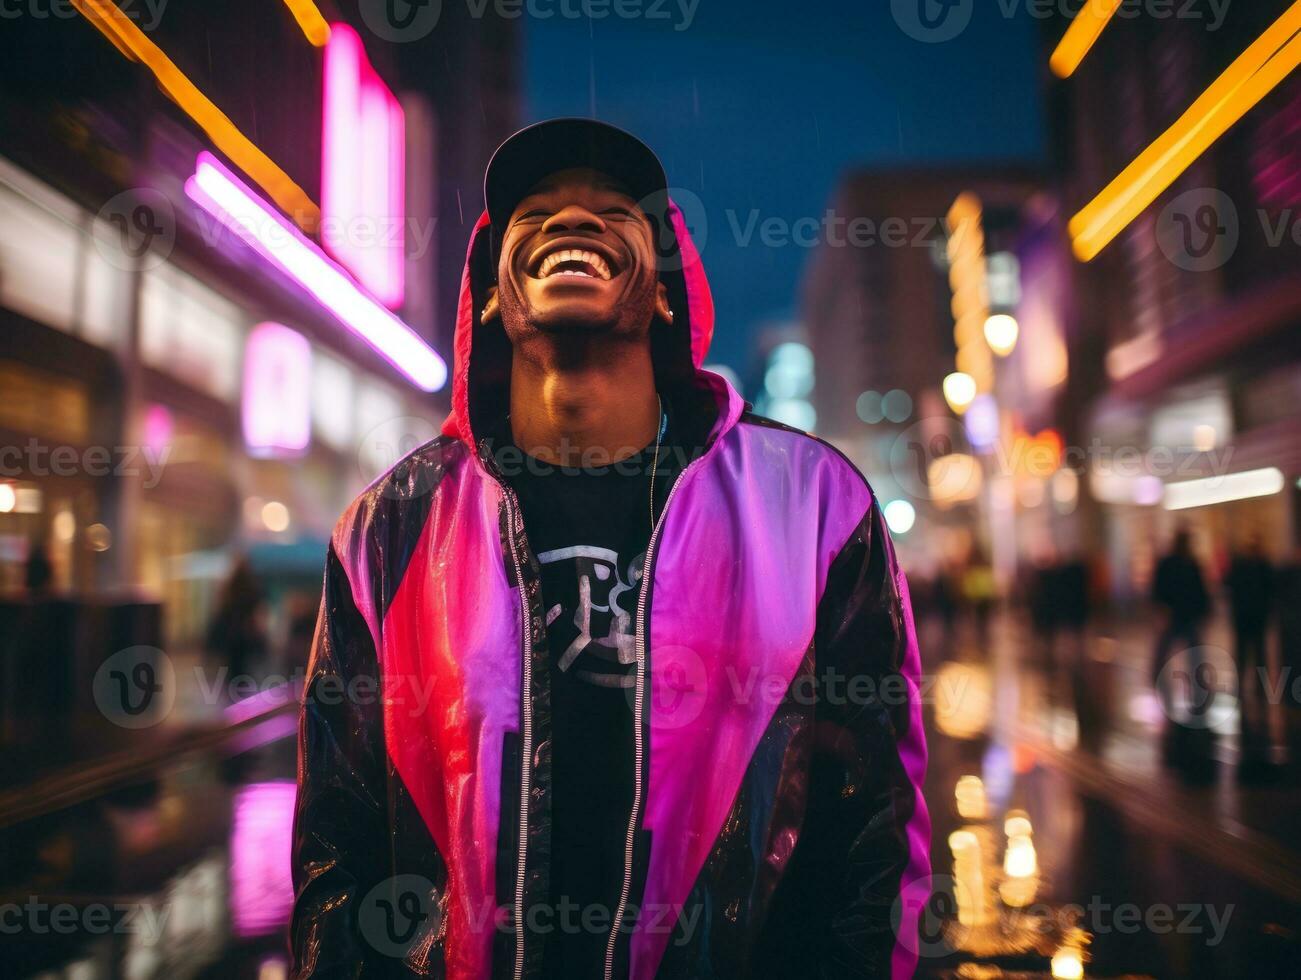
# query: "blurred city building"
882,318
1187,324
172,396
1030,403
231,238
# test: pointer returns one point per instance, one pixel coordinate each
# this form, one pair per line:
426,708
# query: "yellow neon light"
1083,33
242,151
313,25
1249,79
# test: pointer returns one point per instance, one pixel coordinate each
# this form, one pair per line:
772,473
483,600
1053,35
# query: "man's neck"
590,411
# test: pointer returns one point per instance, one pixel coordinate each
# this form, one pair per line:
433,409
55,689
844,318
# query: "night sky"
755,108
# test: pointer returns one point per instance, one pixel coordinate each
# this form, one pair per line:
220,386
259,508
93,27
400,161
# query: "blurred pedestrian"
1040,591
237,633
979,590
1179,589
1073,595
38,573
1089,683
947,598
1288,603
1250,586
302,627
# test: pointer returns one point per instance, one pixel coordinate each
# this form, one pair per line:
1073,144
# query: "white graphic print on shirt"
600,597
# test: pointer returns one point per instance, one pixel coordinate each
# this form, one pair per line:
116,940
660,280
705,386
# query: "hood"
482,353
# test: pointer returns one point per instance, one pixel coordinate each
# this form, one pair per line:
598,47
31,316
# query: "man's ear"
490,308
662,308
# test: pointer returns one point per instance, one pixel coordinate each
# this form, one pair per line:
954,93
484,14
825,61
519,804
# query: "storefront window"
52,270
190,332
332,401
39,250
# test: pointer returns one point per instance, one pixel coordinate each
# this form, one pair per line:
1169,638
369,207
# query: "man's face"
577,256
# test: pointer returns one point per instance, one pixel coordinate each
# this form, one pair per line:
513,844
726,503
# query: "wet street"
1146,871
178,868
1056,828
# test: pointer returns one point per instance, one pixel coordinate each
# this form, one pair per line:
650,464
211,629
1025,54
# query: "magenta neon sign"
363,144
228,199
277,402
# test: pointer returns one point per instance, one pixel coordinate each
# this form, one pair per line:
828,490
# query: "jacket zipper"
526,737
639,748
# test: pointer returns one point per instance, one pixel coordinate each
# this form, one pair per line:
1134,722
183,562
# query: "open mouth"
579,262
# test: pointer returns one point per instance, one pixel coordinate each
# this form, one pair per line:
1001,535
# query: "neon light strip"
242,151
309,19
230,201
1223,489
1248,80
363,147
1083,33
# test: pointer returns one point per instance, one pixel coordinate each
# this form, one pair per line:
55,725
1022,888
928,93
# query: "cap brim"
562,144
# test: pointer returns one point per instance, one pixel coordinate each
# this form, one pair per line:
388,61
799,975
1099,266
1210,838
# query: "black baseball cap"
561,144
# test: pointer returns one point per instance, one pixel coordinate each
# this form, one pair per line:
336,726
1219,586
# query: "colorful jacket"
778,827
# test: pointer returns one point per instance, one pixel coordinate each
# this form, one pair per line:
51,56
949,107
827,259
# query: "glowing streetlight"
1017,824
275,516
900,516
1001,332
969,794
1020,860
1068,963
959,391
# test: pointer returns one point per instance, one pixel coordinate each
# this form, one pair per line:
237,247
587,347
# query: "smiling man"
614,678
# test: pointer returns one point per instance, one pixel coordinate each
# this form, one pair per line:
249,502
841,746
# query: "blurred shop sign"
277,401
1199,421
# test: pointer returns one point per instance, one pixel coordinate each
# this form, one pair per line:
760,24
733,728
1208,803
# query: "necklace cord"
655,462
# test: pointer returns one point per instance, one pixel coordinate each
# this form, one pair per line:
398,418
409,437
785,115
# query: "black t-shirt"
589,530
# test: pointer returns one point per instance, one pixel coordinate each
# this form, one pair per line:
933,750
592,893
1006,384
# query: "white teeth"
574,255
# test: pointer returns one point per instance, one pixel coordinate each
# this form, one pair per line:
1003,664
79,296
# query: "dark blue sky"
763,105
